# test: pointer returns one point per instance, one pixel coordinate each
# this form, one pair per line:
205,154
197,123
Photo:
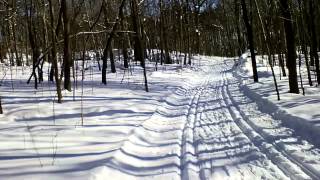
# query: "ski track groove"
252,150
254,136
187,154
293,175
228,148
202,145
117,161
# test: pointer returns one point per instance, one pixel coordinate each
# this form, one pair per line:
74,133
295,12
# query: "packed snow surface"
196,123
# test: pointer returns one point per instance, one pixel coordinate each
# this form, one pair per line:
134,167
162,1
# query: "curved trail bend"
209,129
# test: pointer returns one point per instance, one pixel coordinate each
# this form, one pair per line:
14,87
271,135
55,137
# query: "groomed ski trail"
201,132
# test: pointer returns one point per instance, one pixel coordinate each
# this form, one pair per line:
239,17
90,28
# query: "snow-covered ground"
205,122
296,111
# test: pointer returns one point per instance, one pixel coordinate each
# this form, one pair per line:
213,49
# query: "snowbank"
296,111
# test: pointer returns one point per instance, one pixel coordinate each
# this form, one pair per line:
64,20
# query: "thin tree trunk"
34,47
109,41
54,54
267,40
167,59
1,110
303,41
124,42
314,40
112,62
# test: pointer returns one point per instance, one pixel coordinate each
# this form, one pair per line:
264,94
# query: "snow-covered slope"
295,110
196,123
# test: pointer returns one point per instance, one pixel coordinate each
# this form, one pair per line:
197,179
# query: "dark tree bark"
250,40
13,5
314,39
55,70
167,59
237,22
291,47
124,41
112,62
109,41
306,56
125,55
51,73
280,51
138,45
267,40
303,37
34,47
1,110
66,45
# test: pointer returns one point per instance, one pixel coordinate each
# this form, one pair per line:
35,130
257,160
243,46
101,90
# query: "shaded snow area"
296,111
205,122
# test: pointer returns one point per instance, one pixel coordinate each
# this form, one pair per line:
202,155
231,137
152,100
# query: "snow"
277,117
202,122
292,107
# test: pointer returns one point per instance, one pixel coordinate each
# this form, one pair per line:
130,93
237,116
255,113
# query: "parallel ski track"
304,168
189,156
186,155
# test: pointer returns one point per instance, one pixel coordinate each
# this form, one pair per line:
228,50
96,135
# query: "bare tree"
54,53
138,45
66,45
250,40
291,47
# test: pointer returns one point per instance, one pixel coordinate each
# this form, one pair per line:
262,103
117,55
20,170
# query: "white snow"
204,122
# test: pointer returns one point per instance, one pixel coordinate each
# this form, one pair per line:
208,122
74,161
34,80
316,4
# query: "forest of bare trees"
33,33
159,89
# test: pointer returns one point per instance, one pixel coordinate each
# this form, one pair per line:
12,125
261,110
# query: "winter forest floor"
205,122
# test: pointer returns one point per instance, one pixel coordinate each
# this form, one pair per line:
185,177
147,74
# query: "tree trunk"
303,42
112,62
124,41
167,59
109,41
138,45
314,40
54,54
250,40
1,111
66,45
34,47
291,47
